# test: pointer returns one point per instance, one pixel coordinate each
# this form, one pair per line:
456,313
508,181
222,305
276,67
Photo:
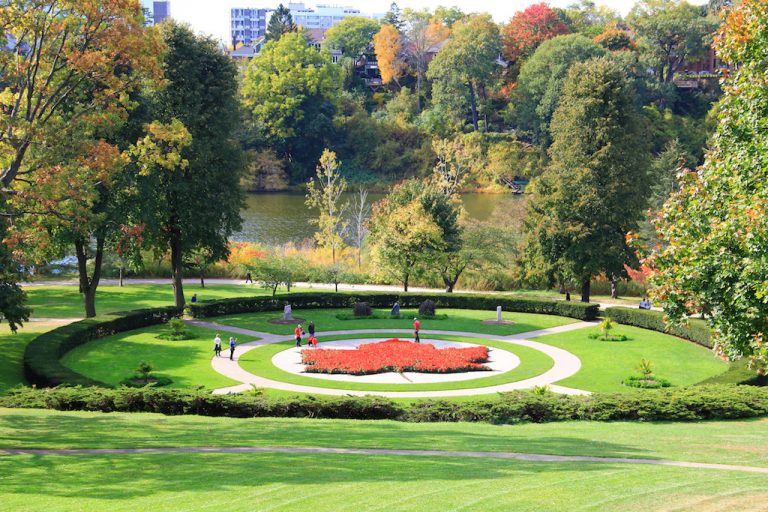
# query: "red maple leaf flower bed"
395,356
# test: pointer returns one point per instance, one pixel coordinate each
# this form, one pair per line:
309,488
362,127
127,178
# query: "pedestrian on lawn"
416,329
248,278
232,344
311,328
299,332
217,345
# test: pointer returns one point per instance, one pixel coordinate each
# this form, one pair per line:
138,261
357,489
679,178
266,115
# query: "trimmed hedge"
682,404
696,331
314,300
41,357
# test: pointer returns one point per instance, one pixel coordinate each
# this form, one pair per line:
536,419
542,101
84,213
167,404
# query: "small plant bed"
380,314
606,326
395,355
282,321
177,331
144,377
647,379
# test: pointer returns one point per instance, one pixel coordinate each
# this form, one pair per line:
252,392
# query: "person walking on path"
217,345
416,329
299,332
232,344
311,328
248,278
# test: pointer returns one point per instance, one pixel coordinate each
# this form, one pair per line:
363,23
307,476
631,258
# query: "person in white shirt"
217,345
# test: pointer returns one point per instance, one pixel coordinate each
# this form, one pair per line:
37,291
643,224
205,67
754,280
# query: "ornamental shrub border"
42,366
315,300
696,331
681,404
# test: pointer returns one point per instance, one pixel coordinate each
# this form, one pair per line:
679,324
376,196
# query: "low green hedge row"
697,330
41,357
314,300
681,404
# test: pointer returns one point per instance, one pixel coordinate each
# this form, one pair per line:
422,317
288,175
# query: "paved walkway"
565,364
528,457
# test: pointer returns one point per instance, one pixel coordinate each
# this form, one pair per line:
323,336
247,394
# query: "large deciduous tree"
422,37
529,28
292,91
65,63
594,190
197,206
388,45
353,35
713,261
468,58
670,33
541,81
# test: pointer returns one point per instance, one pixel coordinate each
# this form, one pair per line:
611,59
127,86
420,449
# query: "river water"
279,218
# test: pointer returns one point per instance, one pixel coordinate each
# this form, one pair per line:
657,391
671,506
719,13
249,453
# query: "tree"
589,19
542,79
13,300
670,33
469,57
324,193
353,35
422,36
292,90
448,15
712,261
614,40
360,212
454,161
594,190
280,23
393,17
388,46
411,227
482,247
529,28
65,64
197,206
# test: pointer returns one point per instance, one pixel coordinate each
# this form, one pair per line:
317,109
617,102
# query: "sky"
211,17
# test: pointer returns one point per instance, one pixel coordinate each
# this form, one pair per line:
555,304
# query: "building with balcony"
248,25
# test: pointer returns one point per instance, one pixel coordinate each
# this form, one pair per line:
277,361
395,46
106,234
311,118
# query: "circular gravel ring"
500,361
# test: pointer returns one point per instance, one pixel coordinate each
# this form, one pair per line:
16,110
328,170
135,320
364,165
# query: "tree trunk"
585,290
614,288
177,268
88,285
450,282
333,254
405,282
121,275
359,258
202,277
336,285
473,103
13,169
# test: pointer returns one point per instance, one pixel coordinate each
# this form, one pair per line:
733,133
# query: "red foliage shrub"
395,356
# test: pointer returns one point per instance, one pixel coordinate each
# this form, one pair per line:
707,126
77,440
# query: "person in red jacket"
416,329
312,341
299,333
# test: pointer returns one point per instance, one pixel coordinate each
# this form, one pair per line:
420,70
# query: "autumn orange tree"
529,28
714,228
388,46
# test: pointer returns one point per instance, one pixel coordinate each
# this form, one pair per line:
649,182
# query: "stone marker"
395,309
287,312
498,314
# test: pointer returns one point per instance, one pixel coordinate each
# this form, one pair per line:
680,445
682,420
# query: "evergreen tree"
394,17
281,22
594,190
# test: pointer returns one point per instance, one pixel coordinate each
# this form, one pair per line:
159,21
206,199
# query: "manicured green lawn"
12,351
532,362
728,442
186,362
64,301
458,320
274,481
605,364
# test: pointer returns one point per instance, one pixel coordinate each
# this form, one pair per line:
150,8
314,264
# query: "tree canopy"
529,28
353,35
281,22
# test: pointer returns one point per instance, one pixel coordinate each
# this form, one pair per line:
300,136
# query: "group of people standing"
217,346
299,332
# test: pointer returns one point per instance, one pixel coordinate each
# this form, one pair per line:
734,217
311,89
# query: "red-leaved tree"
529,28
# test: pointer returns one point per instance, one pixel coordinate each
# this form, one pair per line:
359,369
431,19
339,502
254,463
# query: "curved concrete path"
566,364
528,457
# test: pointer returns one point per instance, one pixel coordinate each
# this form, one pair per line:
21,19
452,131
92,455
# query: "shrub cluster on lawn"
41,357
696,331
681,404
315,300
395,355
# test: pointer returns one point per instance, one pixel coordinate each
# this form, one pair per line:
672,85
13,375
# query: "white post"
498,314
